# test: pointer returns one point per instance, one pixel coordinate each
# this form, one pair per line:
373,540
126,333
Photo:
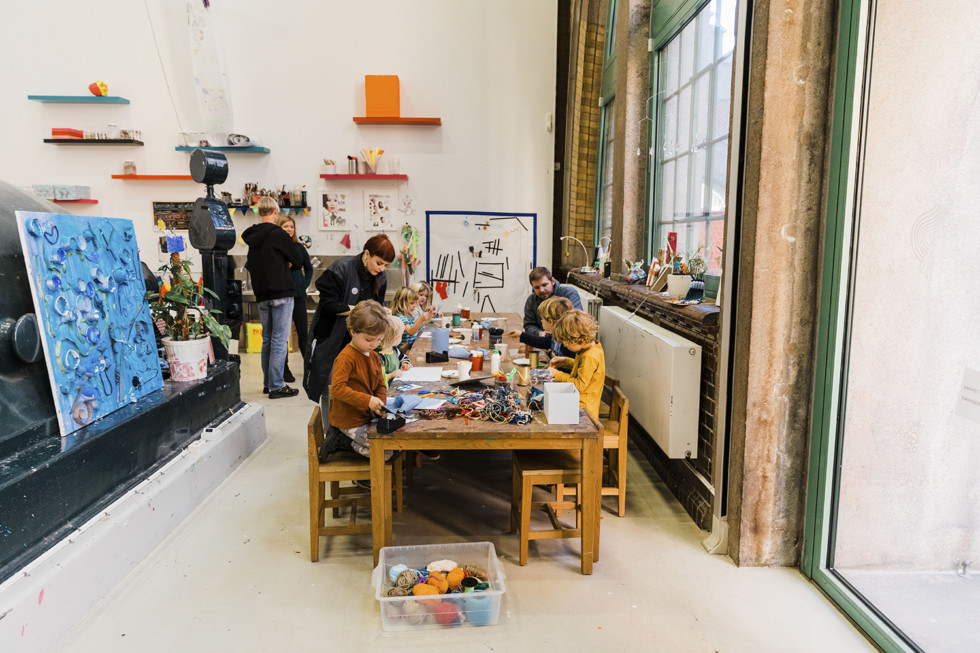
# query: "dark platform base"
51,488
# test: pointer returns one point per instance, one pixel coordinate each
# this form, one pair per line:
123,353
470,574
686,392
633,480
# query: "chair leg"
410,466
559,496
316,518
334,493
525,515
515,493
399,469
621,479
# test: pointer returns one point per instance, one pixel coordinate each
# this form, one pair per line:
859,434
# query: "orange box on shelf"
381,94
66,132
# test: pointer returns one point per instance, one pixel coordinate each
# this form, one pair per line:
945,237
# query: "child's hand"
513,333
406,365
556,361
377,406
552,371
394,374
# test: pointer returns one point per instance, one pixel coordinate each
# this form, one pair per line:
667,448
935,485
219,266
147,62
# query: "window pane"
687,52
684,120
702,109
606,199
719,177
693,114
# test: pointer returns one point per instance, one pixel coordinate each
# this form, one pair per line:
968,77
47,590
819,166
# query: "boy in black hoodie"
271,257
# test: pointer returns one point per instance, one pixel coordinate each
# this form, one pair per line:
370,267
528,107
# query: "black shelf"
93,141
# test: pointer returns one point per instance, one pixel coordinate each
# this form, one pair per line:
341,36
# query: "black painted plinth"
51,488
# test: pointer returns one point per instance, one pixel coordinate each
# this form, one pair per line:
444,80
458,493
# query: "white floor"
236,575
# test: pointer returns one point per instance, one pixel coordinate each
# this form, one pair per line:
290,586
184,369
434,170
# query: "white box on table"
561,403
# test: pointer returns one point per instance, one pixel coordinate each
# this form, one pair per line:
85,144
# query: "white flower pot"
678,285
188,359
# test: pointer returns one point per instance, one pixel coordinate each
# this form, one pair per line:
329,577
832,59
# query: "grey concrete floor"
236,574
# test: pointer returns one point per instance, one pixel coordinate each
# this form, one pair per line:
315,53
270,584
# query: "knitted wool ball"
442,565
438,580
446,614
427,590
406,579
414,613
476,571
455,577
395,571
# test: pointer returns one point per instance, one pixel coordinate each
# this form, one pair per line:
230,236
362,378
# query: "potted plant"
178,309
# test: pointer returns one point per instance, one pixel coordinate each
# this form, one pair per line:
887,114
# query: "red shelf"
402,177
364,120
187,177
75,201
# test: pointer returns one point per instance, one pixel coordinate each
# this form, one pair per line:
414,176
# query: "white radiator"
590,303
660,373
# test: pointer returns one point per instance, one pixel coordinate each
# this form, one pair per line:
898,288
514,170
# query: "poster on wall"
480,259
176,216
89,298
333,212
379,210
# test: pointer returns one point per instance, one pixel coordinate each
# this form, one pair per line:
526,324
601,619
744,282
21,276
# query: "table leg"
591,497
378,527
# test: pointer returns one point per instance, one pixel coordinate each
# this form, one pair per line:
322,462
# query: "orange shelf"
188,177
365,120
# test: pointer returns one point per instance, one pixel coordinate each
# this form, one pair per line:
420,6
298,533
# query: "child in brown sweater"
357,391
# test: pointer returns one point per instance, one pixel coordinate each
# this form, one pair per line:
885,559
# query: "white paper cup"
502,348
463,369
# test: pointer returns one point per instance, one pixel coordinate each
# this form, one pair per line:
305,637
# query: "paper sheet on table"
425,334
422,374
430,404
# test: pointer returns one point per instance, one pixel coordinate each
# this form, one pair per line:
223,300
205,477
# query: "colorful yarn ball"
438,580
446,614
398,591
427,590
395,571
476,571
414,613
455,577
406,579
444,566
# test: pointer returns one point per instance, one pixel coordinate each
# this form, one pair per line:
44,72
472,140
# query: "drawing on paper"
333,212
480,259
378,209
89,297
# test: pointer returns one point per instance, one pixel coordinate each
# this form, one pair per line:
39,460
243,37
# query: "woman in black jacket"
301,278
346,282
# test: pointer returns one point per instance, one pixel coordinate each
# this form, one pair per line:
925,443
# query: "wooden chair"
608,385
342,466
552,469
616,430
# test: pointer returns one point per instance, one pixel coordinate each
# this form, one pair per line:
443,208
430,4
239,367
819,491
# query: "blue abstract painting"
95,323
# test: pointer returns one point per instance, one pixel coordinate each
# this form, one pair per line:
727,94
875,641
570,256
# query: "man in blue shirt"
544,286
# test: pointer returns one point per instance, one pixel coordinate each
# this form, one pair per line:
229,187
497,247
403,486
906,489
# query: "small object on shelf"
238,140
129,168
66,132
62,192
371,158
382,96
98,88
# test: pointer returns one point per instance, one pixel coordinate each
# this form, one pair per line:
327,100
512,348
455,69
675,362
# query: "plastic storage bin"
443,610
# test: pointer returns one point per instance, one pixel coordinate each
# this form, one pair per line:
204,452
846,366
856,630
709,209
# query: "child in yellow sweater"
577,331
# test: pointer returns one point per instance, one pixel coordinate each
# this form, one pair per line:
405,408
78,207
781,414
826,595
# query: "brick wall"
584,154
688,481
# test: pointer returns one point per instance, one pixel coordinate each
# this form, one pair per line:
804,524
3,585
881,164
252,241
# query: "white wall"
297,78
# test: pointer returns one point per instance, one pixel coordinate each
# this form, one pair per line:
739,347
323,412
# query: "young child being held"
357,391
393,361
577,331
405,301
550,311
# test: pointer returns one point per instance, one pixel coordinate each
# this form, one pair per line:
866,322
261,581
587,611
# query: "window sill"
653,304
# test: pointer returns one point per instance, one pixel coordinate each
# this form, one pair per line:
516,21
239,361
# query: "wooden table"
478,434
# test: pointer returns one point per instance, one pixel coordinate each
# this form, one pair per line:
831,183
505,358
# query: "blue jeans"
276,316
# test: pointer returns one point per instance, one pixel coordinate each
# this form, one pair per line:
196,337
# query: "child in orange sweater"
577,331
357,390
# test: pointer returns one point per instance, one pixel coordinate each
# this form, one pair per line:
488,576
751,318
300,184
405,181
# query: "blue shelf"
79,99
251,149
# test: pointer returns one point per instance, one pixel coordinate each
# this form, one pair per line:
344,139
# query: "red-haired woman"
346,282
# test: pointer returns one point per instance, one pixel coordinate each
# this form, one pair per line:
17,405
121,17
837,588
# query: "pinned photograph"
333,212
378,211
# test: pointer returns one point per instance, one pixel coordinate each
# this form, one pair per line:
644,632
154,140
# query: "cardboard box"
253,338
560,403
382,96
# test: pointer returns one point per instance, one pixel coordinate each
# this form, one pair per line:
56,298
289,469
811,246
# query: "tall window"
693,108
607,131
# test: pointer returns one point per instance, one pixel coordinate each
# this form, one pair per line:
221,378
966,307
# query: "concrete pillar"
788,109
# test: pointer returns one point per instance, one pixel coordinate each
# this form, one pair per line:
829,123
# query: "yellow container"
253,338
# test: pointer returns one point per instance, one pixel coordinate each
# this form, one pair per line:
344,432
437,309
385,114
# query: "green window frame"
822,487
602,225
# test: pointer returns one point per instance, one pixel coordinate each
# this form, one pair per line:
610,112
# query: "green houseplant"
177,309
